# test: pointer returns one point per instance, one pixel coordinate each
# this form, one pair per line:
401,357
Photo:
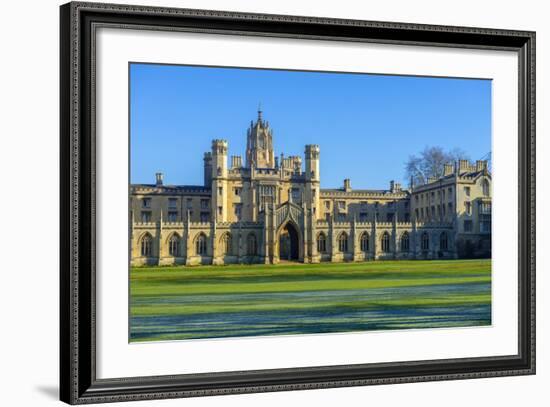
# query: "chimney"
448,169
160,178
236,161
463,166
347,185
395,186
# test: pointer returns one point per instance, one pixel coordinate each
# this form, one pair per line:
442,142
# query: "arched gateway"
289,243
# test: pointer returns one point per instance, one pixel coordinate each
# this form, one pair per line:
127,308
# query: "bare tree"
430,163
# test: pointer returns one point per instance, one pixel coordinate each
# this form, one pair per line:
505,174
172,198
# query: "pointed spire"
260,113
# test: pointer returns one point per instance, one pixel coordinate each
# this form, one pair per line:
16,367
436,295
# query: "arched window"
386,242
365,242
174,245
485,187
425,241
405,242
321,243
251,245
200,245
443,241
226,243
146,245
343,242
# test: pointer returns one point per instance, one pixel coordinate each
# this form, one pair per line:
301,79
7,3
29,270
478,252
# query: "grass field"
171,303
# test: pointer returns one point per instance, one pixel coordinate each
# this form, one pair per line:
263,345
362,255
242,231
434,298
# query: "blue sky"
366,125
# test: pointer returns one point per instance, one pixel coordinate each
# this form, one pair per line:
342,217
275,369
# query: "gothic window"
251,245
172,202
443,241
146,245
200,245
322,243
343,242
405,242
174,245
485,187
365,242
146,203
468,208
425,241
467,191
468,226
386,242
226,243
172,216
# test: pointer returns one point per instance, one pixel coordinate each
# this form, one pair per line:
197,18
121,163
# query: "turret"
312,174
259,146
219,181
219,158
312,162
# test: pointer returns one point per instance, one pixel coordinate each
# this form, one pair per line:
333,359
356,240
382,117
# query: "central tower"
259,144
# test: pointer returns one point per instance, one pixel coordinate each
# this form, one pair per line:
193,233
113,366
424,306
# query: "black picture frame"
78,382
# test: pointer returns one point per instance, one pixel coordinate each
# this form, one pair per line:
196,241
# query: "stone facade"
272,209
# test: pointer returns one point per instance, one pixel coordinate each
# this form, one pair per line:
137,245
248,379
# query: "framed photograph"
255,203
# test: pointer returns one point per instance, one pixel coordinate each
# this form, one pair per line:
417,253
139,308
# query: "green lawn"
243,300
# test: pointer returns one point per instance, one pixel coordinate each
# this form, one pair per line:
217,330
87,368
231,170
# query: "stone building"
272,208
